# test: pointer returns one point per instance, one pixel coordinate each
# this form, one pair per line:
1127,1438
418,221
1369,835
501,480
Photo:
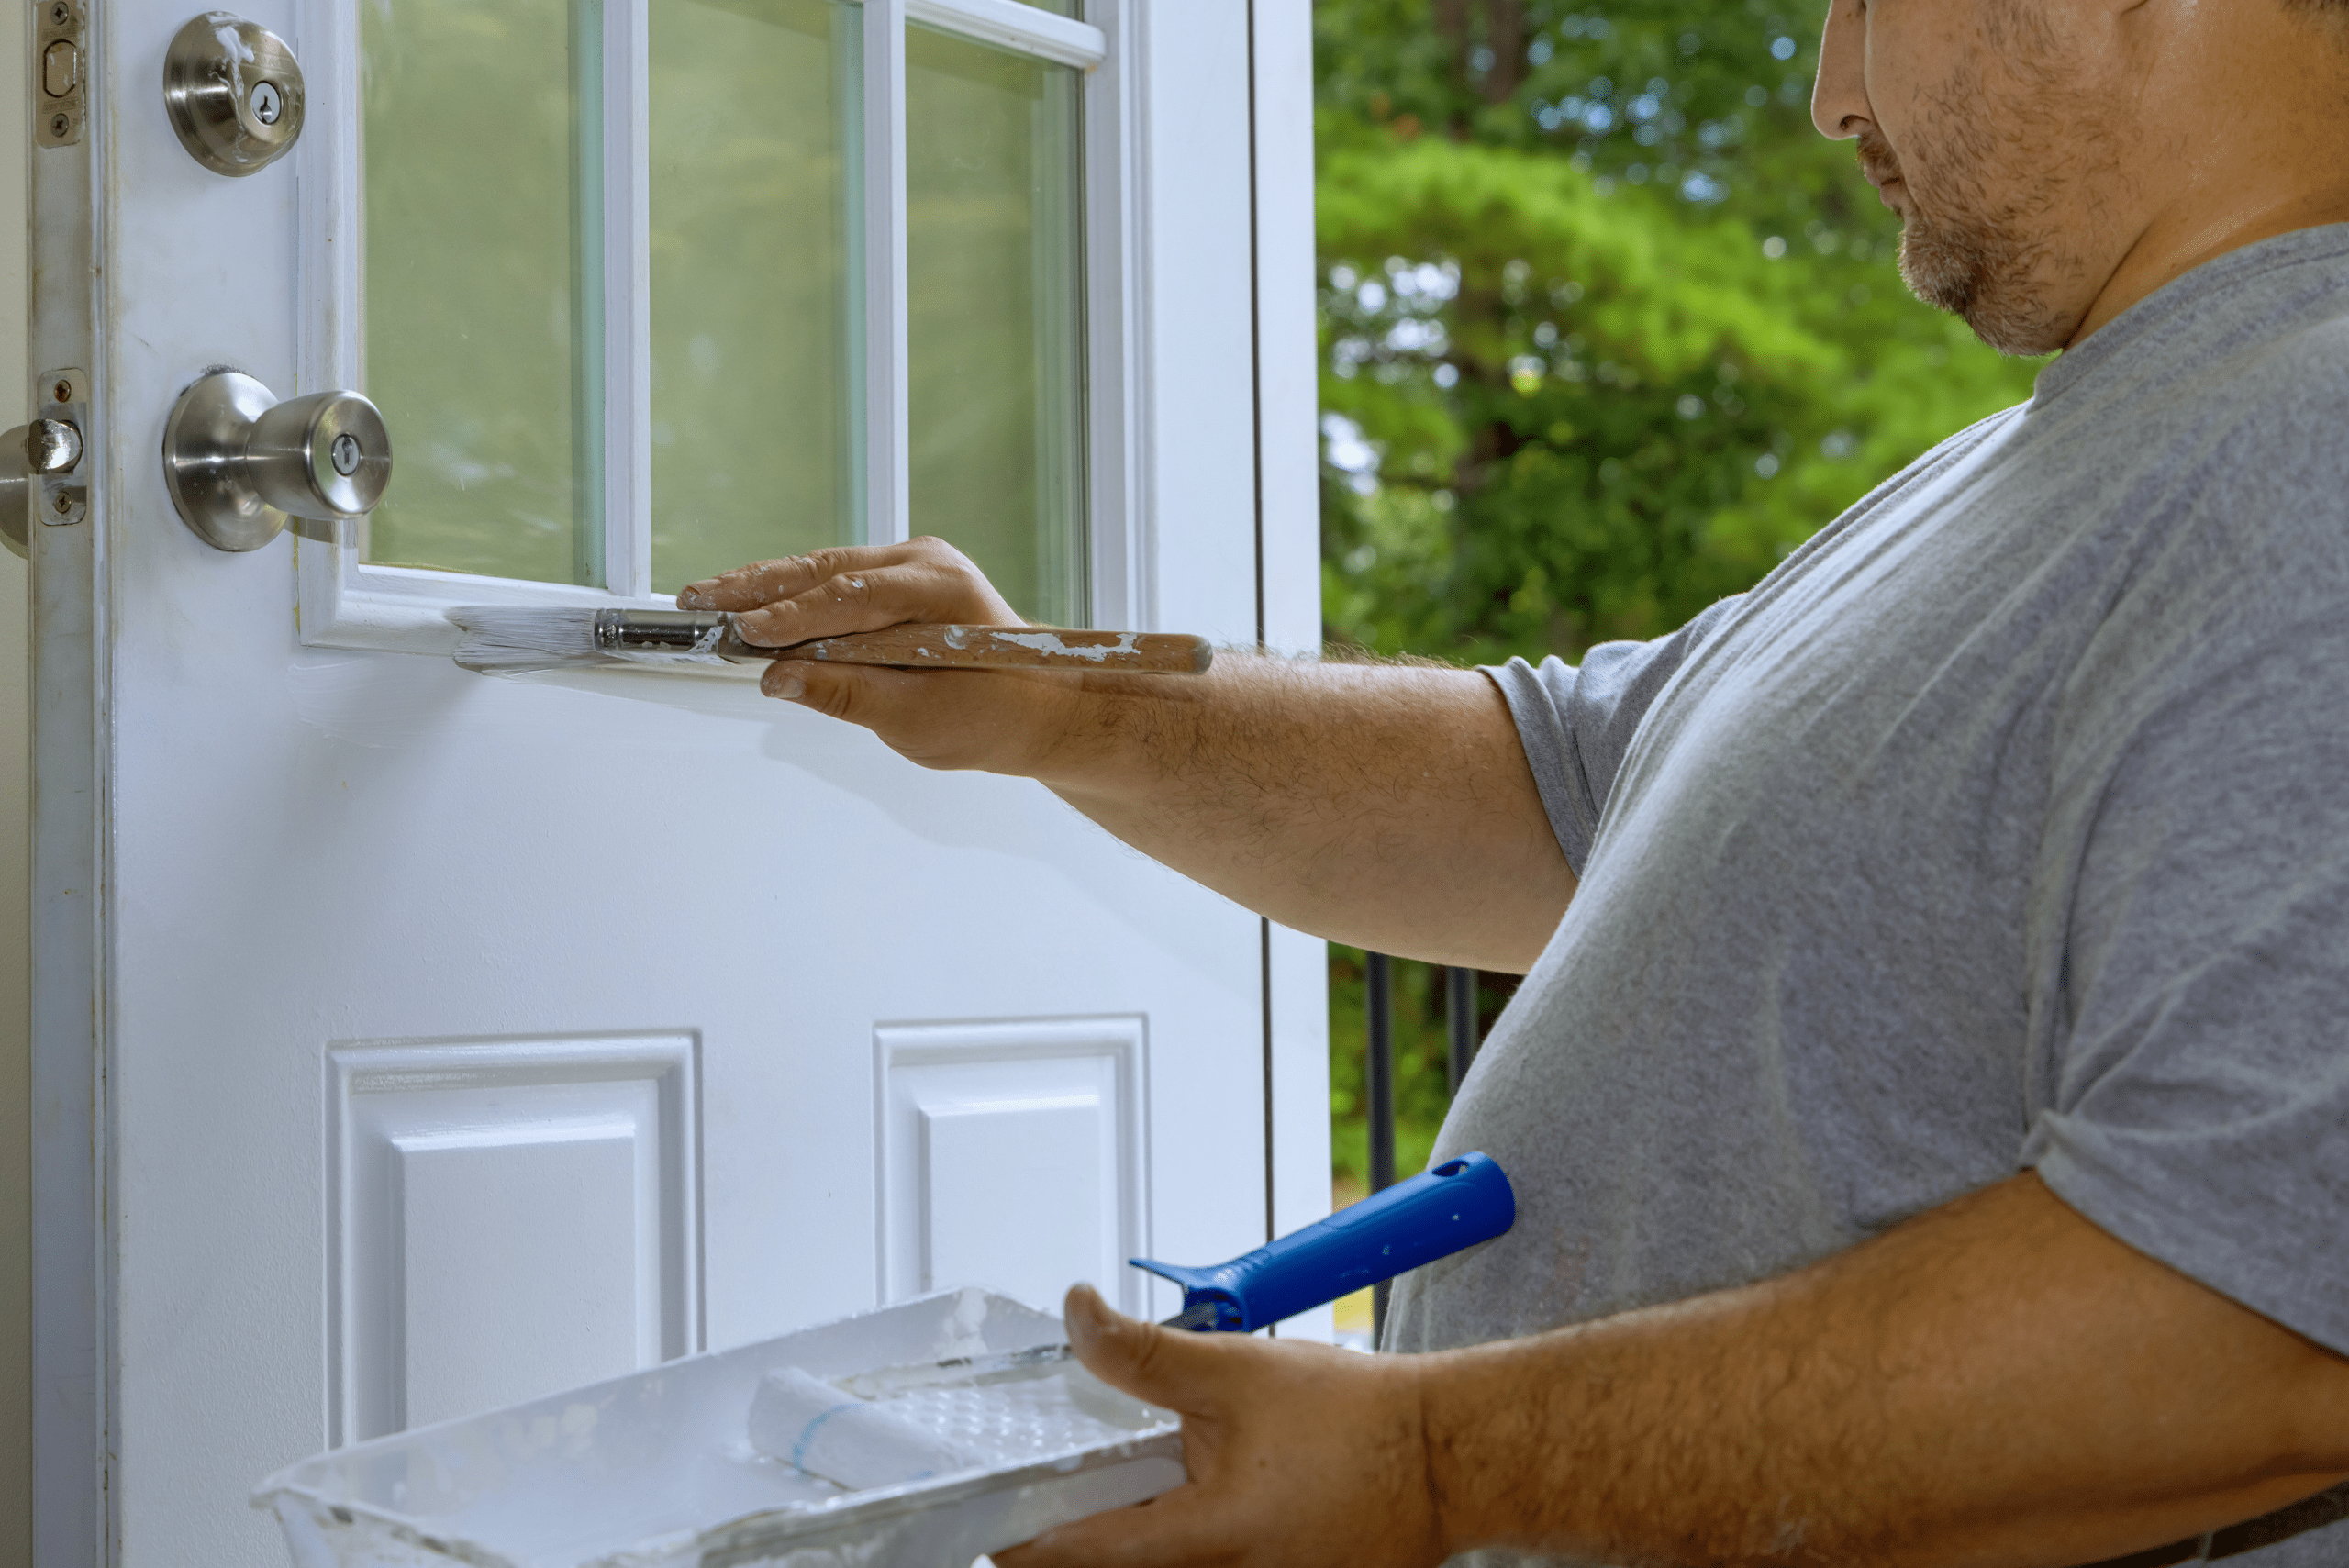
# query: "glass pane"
994,241
754,404
478,303
1059,8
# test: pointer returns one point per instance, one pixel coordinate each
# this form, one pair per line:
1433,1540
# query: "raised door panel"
1010,1157
1012,1196
518,1264
506,1219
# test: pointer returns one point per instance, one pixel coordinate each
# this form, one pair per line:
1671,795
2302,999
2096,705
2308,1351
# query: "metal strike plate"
61,463
233,92
61,69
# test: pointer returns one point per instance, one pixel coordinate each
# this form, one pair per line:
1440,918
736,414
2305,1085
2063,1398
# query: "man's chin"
1943,277
1979,282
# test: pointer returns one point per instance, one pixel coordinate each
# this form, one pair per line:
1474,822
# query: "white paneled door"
409,1041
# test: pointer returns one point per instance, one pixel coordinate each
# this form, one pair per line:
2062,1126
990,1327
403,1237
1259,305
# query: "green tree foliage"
1608,328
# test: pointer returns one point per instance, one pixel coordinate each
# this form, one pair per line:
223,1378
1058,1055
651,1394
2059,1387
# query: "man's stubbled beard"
1981,239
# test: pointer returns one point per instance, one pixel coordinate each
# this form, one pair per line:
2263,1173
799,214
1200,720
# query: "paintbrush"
504,640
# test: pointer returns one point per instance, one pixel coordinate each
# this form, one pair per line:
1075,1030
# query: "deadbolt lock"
234,93
239,464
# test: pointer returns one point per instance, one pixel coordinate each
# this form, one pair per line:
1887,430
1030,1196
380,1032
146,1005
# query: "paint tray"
658,1470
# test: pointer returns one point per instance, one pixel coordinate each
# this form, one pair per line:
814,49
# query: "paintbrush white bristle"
502,640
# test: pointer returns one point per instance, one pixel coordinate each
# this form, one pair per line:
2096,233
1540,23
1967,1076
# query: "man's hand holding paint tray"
848,1429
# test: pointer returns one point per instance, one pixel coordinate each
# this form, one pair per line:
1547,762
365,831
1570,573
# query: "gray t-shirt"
2005,825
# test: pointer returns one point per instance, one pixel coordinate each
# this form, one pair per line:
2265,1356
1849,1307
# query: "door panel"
641,1006
1011,1156
519,1267
506,1219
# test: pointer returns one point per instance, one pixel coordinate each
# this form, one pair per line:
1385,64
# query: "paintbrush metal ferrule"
701,636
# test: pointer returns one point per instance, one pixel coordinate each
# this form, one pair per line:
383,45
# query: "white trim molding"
887,365
1121,542
1007,24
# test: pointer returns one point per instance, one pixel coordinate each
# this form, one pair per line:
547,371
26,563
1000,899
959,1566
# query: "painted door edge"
73,1326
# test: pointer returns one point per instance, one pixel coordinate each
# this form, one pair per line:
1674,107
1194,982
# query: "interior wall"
15,1020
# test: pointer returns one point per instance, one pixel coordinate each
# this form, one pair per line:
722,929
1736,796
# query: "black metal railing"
1463,1035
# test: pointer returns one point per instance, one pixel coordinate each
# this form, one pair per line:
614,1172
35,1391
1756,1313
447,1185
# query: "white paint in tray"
658,1469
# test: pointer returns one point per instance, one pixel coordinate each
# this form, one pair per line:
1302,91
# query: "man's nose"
1839,101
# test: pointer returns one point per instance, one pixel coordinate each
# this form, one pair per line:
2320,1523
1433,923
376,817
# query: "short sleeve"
1576,722
2197,895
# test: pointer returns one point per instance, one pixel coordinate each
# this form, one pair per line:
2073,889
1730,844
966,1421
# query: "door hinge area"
59,62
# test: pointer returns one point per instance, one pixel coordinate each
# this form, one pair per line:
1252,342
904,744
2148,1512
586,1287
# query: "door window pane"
754,406
480,186
995,300
485,230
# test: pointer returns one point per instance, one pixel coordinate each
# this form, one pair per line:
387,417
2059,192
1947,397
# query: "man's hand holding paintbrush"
1383,806
988,721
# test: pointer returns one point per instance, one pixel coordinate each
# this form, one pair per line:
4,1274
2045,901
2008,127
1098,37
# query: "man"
1927,1096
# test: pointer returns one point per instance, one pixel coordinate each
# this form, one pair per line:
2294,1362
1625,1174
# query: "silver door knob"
239,464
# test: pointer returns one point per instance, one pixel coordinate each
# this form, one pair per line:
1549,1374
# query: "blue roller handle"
1433,1215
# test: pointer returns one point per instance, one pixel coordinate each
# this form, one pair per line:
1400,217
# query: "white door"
409,1041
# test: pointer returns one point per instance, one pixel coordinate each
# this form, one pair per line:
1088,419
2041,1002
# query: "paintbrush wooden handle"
1003,647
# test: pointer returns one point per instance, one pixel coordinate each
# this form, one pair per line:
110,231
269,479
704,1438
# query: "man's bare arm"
1998,1384
1384,807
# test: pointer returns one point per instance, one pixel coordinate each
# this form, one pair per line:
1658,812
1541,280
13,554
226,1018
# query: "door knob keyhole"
239,464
